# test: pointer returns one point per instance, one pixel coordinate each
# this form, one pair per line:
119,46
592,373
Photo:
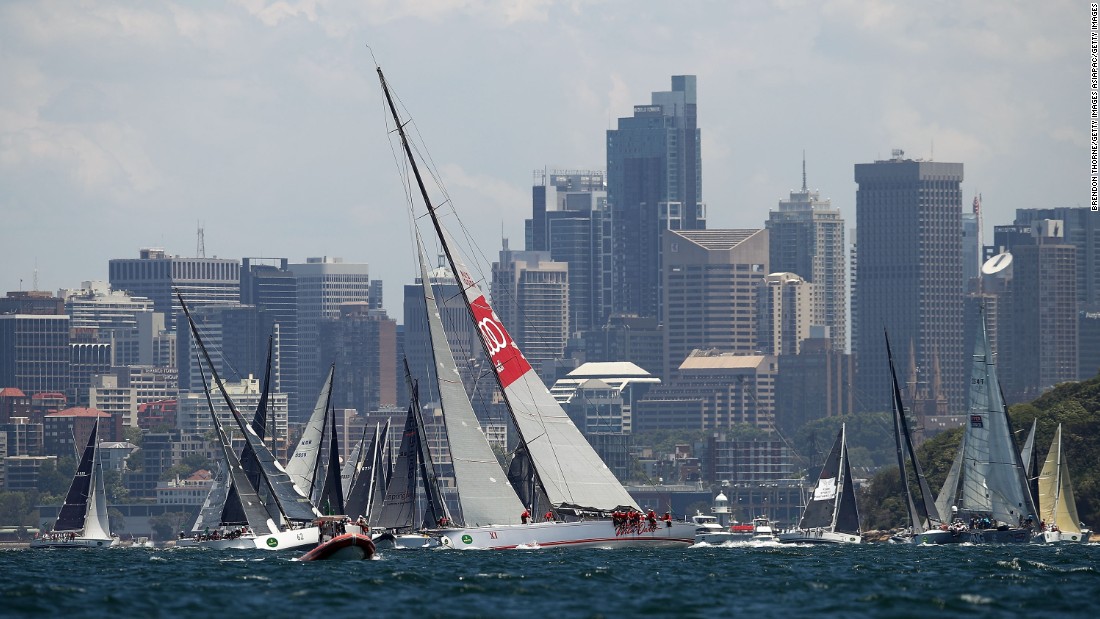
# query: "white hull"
715,539
581,534
78,542
294,539
819,536
1058,537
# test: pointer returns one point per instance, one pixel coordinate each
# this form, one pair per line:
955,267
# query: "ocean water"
872,580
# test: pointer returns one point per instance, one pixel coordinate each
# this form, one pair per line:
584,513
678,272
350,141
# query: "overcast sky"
125,124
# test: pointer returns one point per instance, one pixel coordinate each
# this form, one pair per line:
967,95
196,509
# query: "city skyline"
126,127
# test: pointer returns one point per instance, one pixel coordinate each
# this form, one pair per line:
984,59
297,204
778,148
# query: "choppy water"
835,581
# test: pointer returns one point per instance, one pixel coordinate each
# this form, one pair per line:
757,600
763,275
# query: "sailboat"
831,516
572,482
395,520
986,496
83,521
1057,508
283,518
921,513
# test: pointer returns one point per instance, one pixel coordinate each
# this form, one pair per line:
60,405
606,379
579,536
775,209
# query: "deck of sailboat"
577,534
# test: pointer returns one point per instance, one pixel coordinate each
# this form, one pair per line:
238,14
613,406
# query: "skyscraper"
710,284
1044,313
1081,229
362,343
531,296
806,237
156,275
323,284
654,182
569,219
786,308
908,218
268,284
39,368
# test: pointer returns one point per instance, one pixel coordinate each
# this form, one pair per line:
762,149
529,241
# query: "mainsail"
919,511
303,464
1056,503
485,497
210,514
71,517
399,503
992,479
570,472
1030,457
350,470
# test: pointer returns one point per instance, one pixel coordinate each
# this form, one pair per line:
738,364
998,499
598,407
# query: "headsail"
1030,457
96,525
358,501
1056,503
569,470
485,497
211,510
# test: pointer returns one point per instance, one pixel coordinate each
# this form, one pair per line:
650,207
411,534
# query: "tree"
55,476
166,525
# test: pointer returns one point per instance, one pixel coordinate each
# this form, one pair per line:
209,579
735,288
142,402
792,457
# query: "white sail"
1056,503
96,524
570,471
484,494
993,480
950,490
302,466
351,468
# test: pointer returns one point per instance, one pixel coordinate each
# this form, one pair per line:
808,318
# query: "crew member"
525,516
549,517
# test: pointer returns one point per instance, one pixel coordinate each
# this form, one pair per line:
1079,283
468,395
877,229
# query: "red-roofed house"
66,432
13,403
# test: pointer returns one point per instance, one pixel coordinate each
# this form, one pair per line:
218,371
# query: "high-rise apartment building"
786,308
1081,229
112,316
654,183
35,353
569,219
156,275
1044,313
323,285
236,338
710,282
269,285
362,342
806,237
531,297
908,217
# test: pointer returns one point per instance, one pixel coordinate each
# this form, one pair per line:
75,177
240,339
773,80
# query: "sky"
126,125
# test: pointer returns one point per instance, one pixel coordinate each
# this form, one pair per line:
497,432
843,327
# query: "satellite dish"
997,264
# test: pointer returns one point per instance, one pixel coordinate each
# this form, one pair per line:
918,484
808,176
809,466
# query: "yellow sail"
1056,504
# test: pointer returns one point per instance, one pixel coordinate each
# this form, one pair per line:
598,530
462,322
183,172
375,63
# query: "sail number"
977,381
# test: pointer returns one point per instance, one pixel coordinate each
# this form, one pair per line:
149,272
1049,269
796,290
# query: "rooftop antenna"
932,151
803,170
35,288
200,241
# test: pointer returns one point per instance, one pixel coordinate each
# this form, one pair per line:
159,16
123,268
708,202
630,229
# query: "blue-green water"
838,581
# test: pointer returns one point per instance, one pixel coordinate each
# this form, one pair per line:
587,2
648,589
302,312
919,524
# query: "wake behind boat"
341,540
